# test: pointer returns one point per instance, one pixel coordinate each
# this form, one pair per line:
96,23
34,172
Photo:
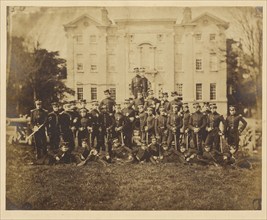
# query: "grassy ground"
127,187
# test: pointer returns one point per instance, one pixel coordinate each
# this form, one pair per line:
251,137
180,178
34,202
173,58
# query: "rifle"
197,141
27,138
146,137
175,140
186,141
122,141
221,143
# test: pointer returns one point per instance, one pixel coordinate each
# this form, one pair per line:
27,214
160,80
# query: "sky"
45,24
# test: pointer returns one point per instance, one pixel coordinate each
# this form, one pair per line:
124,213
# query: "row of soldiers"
142,129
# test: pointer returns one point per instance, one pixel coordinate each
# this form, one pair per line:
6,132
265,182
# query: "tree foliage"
34,74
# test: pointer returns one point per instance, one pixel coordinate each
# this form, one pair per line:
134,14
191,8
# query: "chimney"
105,19
187,15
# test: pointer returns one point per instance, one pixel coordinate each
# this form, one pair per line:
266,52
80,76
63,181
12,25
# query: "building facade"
186,56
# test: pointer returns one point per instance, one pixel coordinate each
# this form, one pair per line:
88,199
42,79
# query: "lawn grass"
168,186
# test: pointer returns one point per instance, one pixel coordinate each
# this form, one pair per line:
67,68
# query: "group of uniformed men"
144,129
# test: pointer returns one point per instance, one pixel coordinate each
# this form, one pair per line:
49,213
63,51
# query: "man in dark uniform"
174,124
186,117
164,102
106,129
161,126
151,101
144,82
138,101
119,123
129,114
232,128
141,121
213,128
197,123
65,126
53,127
136,85
150,124
206,111
74,111
84,126
38,124
95,124
108,102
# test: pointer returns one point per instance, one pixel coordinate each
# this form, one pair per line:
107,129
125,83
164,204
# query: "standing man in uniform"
144,82
164,102
136,85
83,104
197,123
65,126
95,124
174,124
206,111
175,101
186,118
232,128
108,102
151,101
38,124
213,128
129,115
53,127
161,126
119,123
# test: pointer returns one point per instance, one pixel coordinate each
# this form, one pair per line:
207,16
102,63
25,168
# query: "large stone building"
186,56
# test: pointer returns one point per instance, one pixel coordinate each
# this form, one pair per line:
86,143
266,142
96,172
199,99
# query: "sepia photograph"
134,108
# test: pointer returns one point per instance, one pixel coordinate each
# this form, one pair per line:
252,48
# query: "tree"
248,21
35,74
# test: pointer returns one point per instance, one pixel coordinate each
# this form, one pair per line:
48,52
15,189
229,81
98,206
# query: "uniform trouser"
213,137
186,139
54,139
197,141
128,134
117,134
82,135
40,143
95,137
105,141
204,135
233,138
146,136
163,136
171,138
68,136
136,90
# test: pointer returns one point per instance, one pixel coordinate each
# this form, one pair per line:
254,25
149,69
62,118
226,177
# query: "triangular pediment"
209,17
86,17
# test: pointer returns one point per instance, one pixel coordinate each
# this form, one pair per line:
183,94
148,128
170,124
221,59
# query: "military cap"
165,94
107,91
38,102
139,93
174,105
153,137
136,68
206,103
196,105
54,104
140,105
95,103
83,110
162,108
115,140
118,105
174,93
185,105
231,107
84,139
130,99
213,105
73,102
83,101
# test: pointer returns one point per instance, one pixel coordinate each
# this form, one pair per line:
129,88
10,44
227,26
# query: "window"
79,93
79,62
92,38
113,93
198,36
198,91
93,93
213,91
79,39
180,89
212,37
93,61
213,62
198,64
